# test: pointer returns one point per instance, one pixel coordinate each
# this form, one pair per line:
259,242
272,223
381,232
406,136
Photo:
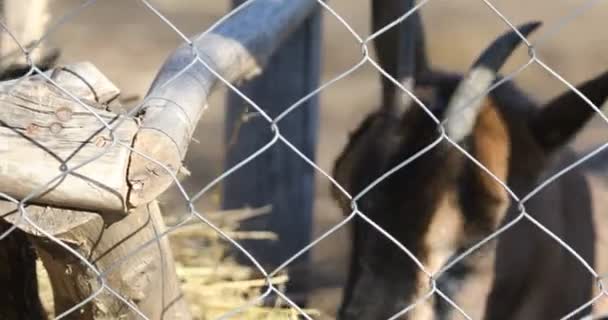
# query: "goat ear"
560,119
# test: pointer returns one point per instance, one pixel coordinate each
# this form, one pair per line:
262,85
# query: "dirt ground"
129,43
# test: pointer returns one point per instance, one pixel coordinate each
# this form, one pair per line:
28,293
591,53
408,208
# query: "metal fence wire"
199,60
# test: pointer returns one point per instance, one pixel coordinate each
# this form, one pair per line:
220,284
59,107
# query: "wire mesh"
274,124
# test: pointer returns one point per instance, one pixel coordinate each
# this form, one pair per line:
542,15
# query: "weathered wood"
278,176
85,81
147,278
41,124
26,20
54,221
237,50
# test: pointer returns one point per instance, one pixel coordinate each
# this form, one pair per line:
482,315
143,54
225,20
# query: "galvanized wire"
274,127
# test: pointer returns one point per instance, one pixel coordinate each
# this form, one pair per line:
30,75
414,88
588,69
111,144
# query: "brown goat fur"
503,143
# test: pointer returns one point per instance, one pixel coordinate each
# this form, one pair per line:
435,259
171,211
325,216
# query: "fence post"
278,176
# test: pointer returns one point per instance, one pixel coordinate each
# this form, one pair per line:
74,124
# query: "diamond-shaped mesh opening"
117,254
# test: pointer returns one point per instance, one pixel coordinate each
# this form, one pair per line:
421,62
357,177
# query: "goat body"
441,203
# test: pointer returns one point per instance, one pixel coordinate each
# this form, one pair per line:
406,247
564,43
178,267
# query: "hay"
214,284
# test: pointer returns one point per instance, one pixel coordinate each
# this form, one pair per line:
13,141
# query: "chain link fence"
195,60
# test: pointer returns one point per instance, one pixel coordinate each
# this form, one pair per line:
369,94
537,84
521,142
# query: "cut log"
145,277
54,221
43,131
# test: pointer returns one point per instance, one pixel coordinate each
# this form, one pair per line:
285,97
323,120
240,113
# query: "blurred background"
129,43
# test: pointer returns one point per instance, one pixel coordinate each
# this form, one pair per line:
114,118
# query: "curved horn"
466,101
395,49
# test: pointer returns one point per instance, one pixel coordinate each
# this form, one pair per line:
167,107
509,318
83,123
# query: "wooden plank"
237,49
43,130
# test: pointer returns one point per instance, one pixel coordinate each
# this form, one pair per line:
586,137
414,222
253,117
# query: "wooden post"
237,49
277,177
146,278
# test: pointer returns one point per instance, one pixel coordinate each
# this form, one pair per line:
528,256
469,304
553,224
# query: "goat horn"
466,102
396,51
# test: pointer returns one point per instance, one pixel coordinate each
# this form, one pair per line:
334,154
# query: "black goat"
442,203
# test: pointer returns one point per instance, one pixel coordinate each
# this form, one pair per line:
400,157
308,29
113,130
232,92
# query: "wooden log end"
54,132
54,221
149,178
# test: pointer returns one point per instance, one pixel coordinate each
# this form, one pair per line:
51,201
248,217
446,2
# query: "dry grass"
213,282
